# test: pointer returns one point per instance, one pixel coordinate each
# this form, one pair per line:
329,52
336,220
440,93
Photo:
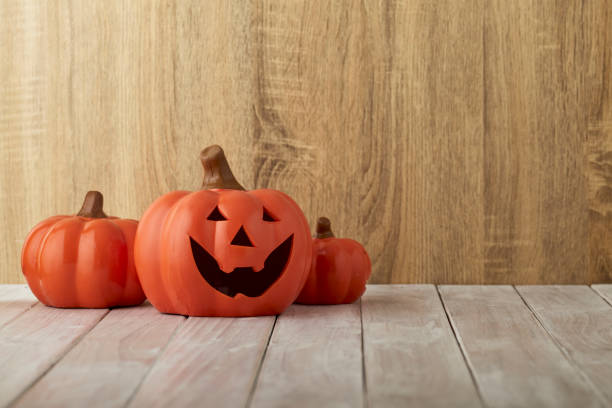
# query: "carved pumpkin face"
223,252
239,268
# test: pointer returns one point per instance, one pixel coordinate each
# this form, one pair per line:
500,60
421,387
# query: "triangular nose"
241,238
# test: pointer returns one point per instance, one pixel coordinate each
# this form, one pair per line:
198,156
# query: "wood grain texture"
411,356
313,359
14,300
579,320
210,362
460,141
35,341
22,128
108,364
349,103
514,361
598,144
542,78
550,347
121,100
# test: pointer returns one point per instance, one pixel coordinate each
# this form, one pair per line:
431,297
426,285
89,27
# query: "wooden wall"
460,141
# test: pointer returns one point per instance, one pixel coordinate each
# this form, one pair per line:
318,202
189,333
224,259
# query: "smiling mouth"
244,279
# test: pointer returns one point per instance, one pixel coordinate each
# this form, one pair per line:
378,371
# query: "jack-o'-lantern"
222,251
340,269
83,260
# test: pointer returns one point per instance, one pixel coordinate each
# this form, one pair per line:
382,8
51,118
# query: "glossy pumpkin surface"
83,261
339,271
223,251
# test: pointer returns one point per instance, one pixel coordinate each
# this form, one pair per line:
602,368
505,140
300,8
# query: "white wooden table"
402,345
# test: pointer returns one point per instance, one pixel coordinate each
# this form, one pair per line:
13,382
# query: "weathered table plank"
605,291
513,359
107,365
533,346
209,362
34,341
411,355
313,359
14,300
581,323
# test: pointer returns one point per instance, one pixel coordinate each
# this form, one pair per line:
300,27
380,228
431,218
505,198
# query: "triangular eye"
216,215
241,238
267,216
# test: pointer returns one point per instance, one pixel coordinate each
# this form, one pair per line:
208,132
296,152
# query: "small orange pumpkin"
222,251
84,260
339,272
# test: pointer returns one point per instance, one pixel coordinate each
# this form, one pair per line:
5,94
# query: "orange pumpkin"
83,260
222,251
339,272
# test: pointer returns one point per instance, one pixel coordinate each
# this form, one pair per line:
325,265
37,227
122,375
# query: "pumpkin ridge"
92,226
129,292
44,227
175,299
43,243
152,240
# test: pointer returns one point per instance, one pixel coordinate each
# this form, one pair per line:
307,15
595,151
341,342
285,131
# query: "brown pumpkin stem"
324,228
217,172
92,205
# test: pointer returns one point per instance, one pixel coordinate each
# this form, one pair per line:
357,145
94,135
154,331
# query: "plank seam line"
59,358
462,349
601,295
564,351
159,355
364,383
249,400
19,314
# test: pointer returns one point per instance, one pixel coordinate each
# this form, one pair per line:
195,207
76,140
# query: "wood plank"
91,84
36,340
107,365
411,355
605,291
104,115
14,300
579,320
514,361
22,131
598,139
462,141
543,87
210,362
396,97
313,359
